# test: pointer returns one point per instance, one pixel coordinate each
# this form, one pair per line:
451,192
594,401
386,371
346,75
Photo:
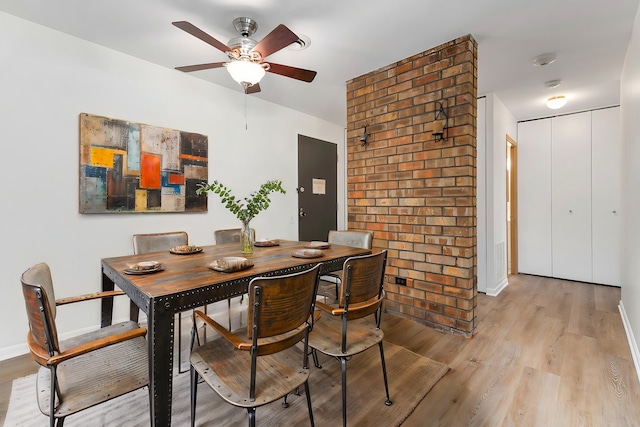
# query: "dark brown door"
317,188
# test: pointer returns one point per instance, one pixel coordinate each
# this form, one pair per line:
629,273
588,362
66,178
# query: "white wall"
481,193
498,123
47,79
630,125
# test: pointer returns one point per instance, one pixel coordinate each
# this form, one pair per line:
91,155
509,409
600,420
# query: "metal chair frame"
356,301
280,315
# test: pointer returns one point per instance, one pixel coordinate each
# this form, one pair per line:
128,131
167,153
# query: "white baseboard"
630,338
495,291
13,351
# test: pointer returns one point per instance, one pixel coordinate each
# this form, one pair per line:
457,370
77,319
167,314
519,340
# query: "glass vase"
247,238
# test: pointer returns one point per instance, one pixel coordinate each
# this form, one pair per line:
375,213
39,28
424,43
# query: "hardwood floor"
547,353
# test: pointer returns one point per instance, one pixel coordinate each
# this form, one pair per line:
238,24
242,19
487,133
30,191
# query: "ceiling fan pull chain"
245,109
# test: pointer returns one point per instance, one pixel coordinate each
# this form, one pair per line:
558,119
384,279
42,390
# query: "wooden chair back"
156,242
231,235
356,239
40,302
361,291
280,310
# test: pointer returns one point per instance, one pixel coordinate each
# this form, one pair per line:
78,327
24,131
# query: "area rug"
411,376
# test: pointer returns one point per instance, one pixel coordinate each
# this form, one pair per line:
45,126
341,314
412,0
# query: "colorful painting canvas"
132,167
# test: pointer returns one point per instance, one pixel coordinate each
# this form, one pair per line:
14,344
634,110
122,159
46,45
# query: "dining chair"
356,239
231,235
88,369
156,242
263,365
353,325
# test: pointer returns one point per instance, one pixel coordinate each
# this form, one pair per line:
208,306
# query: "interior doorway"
512,206
317,188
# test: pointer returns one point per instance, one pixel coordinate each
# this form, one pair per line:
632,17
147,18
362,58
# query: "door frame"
512,197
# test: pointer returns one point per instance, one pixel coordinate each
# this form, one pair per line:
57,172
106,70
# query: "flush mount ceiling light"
544,59
556,102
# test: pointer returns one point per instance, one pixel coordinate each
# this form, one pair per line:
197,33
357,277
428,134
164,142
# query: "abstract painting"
132,167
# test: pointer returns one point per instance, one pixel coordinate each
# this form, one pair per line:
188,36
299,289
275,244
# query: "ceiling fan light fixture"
246,73
556,102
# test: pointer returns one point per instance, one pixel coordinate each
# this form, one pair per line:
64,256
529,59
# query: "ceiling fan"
246,56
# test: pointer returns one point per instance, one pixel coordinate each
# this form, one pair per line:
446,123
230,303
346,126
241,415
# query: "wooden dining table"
186,282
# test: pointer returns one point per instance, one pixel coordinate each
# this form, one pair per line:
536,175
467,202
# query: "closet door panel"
571,196
534,197
606,182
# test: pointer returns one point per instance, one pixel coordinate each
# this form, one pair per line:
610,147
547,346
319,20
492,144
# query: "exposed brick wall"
417,195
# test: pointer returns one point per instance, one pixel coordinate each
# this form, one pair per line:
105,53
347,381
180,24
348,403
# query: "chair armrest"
362,306
334,276
94,345
334,311
87,297
224,332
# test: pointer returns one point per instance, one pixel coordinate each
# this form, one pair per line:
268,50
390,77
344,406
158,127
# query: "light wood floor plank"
606,300
544,345
581,321
489,381
612,338
534,401
621,391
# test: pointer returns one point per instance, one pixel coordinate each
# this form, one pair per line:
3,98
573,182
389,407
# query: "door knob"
302,213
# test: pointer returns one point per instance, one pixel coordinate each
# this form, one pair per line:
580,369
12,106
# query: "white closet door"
534,197
571,196
606,181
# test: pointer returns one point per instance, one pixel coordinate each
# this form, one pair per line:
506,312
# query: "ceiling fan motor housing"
245,26
242,46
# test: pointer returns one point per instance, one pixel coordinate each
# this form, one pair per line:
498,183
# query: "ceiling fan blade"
198,67
277,39
197,32
293,72
253,89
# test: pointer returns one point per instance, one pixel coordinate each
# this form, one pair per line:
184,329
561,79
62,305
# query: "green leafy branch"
247,208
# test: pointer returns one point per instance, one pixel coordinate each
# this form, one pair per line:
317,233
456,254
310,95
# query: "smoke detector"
552,84
544,59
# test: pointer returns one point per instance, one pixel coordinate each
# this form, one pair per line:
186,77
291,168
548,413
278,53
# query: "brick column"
416,195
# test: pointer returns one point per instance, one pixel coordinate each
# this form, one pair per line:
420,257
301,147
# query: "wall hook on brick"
364,136
440,123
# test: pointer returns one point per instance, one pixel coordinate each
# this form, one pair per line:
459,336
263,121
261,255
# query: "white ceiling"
353,37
